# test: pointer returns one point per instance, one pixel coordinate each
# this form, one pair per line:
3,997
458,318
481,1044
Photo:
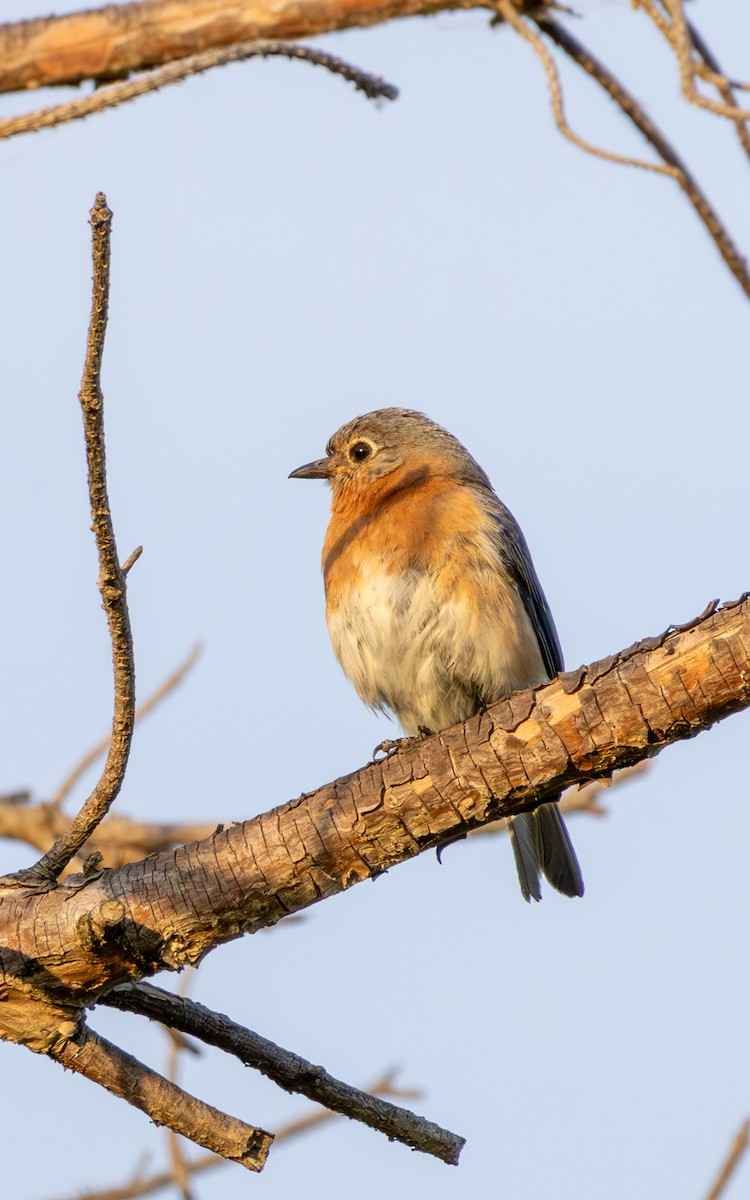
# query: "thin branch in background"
634,111
683,47
510,14
371,86
288,1070
736,1151
118,839
669,18
153,701
142,1185
164,1102
723,85
177,1044
111,581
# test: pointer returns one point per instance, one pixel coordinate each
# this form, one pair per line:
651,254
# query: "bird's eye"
360,451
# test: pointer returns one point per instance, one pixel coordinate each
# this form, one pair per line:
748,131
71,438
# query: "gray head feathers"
404,429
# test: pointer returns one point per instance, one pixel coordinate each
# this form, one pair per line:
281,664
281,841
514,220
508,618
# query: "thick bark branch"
76,941
65,945
115,40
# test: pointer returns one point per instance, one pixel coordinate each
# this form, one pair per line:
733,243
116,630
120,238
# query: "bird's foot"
392,745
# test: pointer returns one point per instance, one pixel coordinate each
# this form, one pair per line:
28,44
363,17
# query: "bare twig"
164,689
180,1168
633,110
165,1103
111,580
288,1070
177,1044
131,560
683,47
141,1185
723,85
684,38
731,1162
118,93
510,14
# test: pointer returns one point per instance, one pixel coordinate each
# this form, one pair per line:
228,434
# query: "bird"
433,606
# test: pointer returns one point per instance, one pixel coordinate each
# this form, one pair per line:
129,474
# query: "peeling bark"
63,946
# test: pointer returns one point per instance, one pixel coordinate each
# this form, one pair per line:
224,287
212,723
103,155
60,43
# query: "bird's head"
390,446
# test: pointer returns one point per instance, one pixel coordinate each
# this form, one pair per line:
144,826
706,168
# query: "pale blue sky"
286,256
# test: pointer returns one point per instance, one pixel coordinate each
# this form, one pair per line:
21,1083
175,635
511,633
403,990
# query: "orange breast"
415,523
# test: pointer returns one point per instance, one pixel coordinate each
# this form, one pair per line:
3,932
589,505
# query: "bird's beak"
322,469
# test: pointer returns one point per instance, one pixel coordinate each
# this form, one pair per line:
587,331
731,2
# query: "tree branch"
111,577
147,1185
110,42
288,1070
164,1102
640,118
119,93
511,16
119,839
737,1151
165,688
720,81
111,582
167,911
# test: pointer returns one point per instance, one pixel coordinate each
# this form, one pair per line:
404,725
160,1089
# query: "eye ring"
360,451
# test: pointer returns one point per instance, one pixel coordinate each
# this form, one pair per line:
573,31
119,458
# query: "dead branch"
111,582
149,704
720,82
287,1070
511,15
147,1185
637,114
119,93
169,910
679,36
736,1151
195,35
165,1103
178,1044
119,839
63,948
113,41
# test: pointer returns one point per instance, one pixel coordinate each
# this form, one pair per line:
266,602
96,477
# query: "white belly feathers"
433,657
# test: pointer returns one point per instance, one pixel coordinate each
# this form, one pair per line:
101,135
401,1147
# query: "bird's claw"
458,837
391,746
388,747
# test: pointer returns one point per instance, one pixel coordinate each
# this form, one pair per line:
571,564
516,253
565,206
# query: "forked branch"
640,118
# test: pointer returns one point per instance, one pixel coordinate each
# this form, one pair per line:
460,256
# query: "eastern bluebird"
433,606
